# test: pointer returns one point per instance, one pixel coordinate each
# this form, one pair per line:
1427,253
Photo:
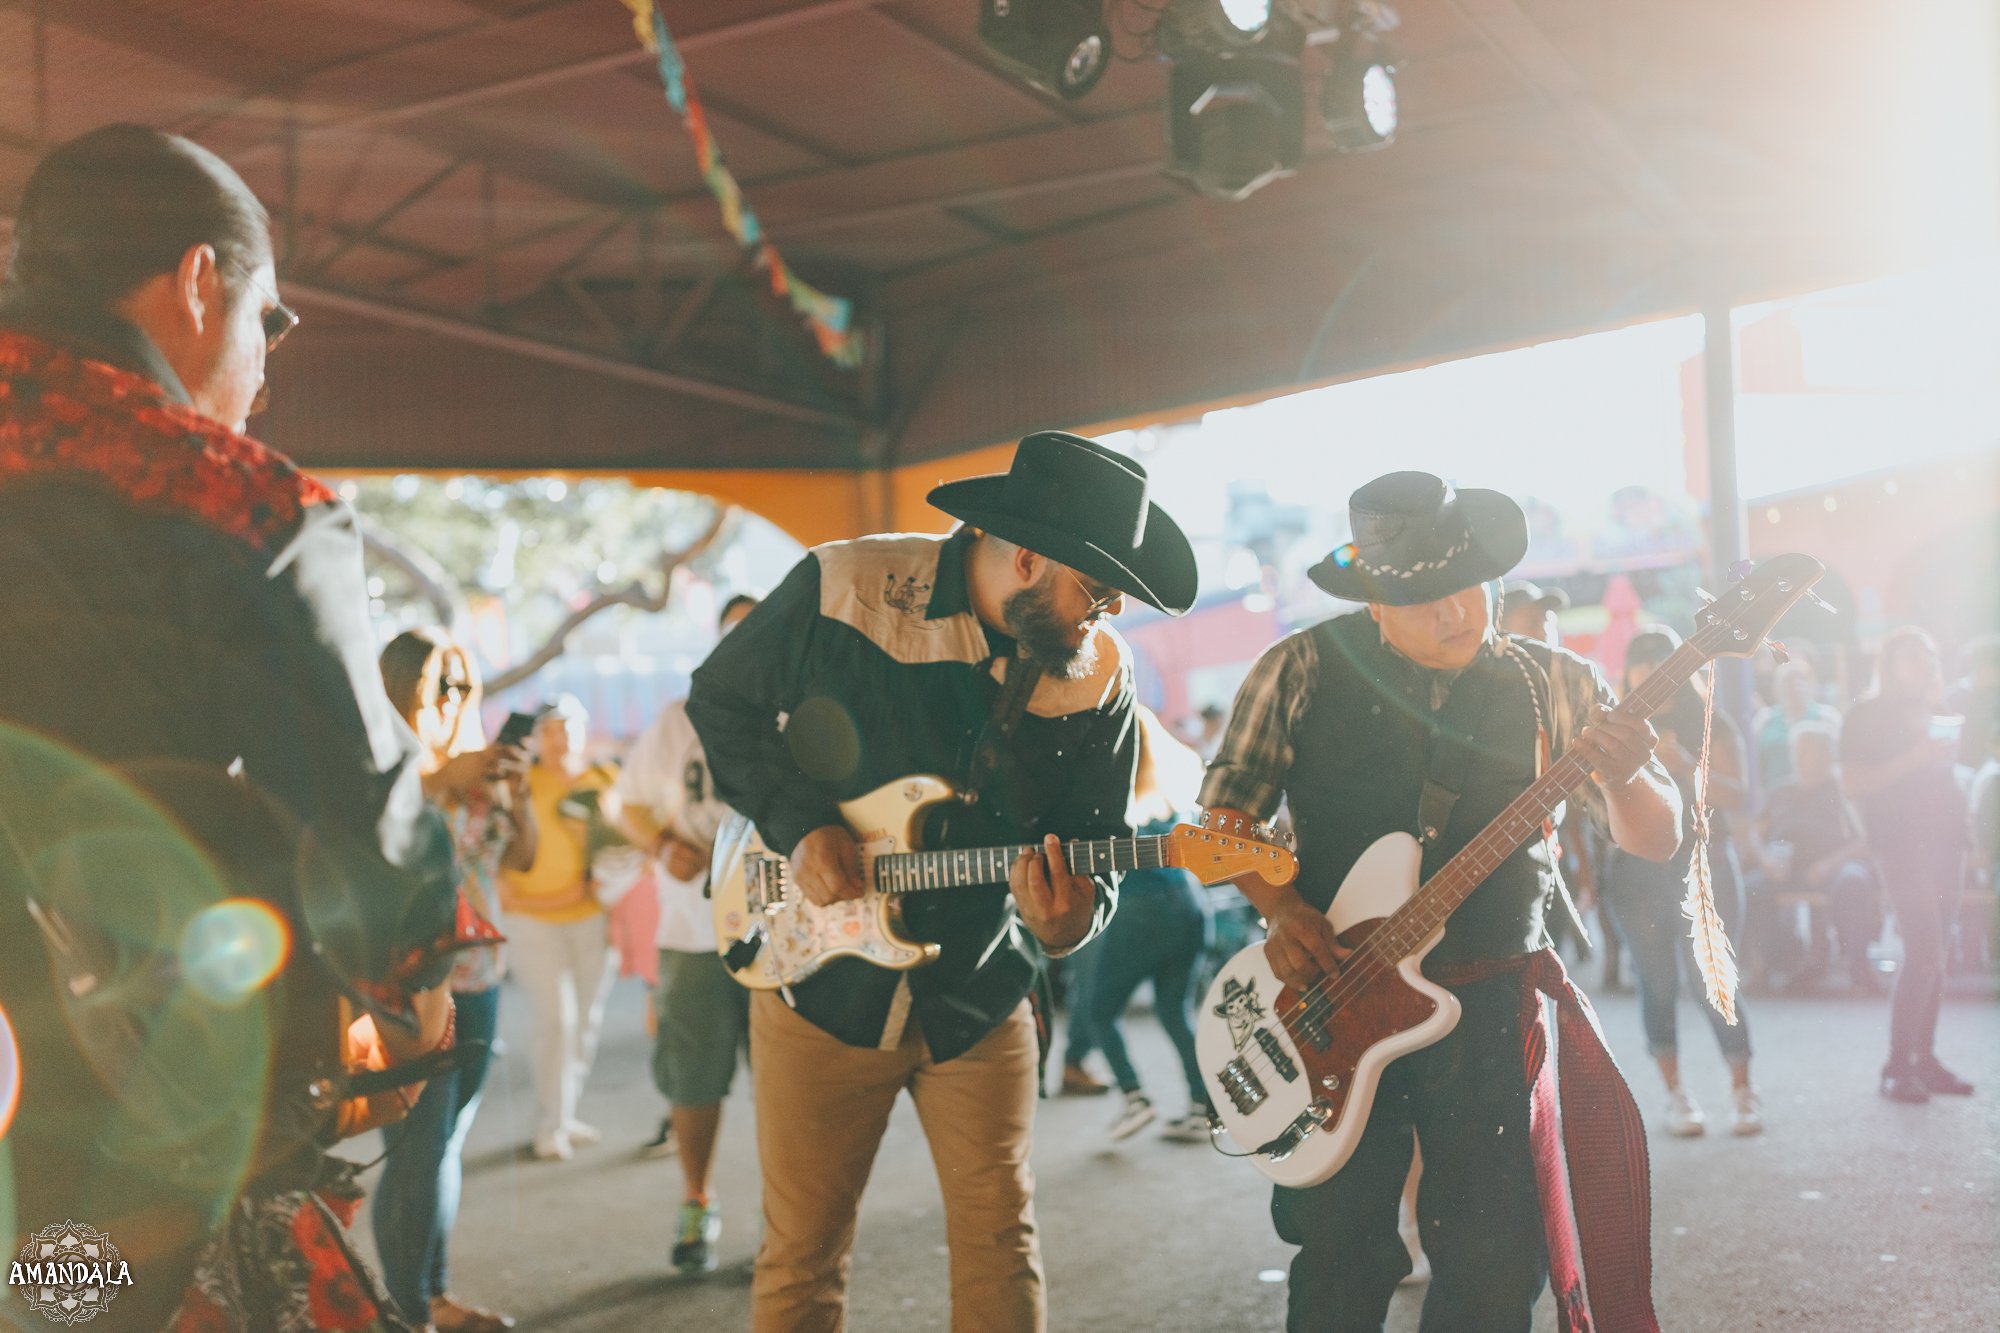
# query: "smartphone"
519,726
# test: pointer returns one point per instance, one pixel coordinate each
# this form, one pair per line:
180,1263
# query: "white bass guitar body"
1292,1087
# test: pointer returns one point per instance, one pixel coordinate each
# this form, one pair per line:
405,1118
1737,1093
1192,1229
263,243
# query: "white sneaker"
554,1147
1138,1114
1190,1128
582,1135
1749,1113
1684,1118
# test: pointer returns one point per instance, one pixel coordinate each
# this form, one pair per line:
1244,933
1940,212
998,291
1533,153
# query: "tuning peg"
1779,653
1740,570
1204,819
1707,597
1821,603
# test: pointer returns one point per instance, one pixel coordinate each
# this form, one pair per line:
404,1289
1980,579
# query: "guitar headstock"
1214,855
1736,623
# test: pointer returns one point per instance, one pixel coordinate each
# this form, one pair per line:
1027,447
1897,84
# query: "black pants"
1922,878
1467,1103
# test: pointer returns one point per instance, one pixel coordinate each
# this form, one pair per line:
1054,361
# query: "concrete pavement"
1850,1213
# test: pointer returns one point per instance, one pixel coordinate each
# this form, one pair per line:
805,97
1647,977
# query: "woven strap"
1591,1167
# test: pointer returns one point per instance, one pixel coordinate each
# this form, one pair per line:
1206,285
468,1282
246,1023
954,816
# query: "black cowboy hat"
1082,505
1416,540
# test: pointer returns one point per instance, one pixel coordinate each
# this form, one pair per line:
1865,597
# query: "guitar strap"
1010,703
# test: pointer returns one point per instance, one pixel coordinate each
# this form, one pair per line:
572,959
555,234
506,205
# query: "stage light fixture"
1235,120
1357,99
1248,17
1058,46
1215,25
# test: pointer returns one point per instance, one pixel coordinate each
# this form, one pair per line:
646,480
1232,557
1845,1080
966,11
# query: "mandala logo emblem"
68,1273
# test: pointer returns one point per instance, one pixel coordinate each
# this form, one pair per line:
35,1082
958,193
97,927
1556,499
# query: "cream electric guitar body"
1292,1075
771,936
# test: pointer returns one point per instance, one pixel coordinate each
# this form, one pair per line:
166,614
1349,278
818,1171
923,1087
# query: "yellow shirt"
561,860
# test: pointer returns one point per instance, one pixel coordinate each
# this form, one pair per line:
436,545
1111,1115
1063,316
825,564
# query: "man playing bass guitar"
883,658
1416,716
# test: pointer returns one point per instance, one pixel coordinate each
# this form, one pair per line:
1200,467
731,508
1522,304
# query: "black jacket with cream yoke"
868,664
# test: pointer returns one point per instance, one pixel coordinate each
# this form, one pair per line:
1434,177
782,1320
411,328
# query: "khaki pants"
822,1106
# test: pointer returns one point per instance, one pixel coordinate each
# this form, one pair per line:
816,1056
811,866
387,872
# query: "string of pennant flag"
830,318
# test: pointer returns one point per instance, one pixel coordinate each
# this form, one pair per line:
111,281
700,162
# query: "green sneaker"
701,1227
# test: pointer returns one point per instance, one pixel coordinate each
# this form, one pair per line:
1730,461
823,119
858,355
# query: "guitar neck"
914,872
1413,923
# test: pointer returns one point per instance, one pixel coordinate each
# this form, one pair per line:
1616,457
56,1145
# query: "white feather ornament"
1712,952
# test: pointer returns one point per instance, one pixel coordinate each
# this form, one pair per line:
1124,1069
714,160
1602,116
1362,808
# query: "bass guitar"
1293,1074
771,936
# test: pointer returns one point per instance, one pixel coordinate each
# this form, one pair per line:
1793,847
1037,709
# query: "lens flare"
10,1074
229,951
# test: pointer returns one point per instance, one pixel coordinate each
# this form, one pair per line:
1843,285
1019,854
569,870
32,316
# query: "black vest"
1360,758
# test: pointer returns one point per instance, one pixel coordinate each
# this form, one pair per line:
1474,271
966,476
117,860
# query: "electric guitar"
1292,1075
770,936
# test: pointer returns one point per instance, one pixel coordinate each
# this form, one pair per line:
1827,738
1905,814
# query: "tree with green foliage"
554,553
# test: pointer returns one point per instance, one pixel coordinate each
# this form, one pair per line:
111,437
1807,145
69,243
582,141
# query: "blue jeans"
416,1202
1157,936
1644,899
1079,975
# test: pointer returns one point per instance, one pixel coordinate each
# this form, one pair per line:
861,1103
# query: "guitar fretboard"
913,872
1412,923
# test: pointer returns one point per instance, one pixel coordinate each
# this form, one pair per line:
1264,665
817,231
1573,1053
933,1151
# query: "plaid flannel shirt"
1254,761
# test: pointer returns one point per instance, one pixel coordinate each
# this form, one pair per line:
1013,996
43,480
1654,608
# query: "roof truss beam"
502,340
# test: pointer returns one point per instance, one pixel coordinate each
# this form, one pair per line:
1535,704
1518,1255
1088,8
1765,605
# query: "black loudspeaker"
1058,46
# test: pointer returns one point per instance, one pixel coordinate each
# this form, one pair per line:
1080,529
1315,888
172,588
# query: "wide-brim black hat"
1417,540
1082,505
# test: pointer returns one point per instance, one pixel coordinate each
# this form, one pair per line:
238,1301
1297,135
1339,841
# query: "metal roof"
506,257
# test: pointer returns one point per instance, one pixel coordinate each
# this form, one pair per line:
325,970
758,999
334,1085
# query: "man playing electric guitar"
1415,715
881,658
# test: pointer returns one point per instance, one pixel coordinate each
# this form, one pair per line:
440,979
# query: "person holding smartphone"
482,791
1897,760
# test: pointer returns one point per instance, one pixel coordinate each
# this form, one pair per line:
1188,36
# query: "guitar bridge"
1245,1089
763,883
